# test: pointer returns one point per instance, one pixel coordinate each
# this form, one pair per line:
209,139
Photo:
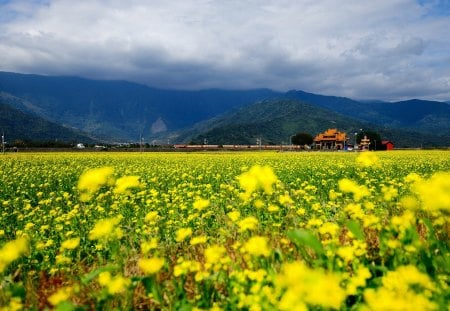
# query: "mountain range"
121,111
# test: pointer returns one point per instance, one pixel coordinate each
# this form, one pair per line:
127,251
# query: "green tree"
375,139
302,139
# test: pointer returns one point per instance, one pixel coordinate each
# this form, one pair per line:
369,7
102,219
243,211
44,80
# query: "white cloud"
389,49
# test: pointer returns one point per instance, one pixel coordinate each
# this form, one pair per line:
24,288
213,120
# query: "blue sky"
384,49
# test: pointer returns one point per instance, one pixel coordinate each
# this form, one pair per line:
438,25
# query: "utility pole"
3,142
258,143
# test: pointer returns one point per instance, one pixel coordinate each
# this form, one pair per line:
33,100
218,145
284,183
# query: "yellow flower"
273,208
367,159
358,280
201,204
330,228
234,215
148,246
257,178
257,246
106,229
285,199
11,251
125,183
71,243
151,216
199,240
92,180
114,284
214,253
349,186
434,193
405,288
151,265
302,286
248,223
61,295
182,234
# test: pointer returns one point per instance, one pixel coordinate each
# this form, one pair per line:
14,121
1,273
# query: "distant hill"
119,110
417,115
18,125
275,120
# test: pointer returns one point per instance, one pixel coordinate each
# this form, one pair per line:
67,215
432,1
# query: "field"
225,231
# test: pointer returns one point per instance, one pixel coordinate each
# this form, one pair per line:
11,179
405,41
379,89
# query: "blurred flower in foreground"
92,180
125,183
11,251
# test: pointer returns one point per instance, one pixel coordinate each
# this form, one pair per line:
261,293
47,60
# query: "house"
331,139
387,145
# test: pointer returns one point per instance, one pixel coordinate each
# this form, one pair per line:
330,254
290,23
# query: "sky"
383,49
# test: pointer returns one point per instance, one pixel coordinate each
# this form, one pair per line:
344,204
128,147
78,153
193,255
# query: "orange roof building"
331,139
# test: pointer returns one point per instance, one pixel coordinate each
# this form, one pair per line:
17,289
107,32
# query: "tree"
375,139
302,139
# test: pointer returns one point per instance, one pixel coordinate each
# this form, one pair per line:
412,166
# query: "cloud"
388,49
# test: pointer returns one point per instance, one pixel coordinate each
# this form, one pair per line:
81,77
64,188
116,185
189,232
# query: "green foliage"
302,139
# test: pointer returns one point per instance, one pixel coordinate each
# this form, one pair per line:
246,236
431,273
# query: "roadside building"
331,139
387,145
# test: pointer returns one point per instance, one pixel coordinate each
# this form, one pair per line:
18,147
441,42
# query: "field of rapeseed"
225,231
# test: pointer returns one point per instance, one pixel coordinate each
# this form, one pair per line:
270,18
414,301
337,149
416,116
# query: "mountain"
116,111
18,125
417,115
120,110
275,120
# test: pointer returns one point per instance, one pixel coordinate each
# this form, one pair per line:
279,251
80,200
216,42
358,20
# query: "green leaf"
355,228
302,237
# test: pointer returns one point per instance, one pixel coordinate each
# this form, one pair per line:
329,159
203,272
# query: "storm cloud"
386,49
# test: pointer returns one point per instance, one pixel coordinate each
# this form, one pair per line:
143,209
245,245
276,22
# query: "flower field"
225,231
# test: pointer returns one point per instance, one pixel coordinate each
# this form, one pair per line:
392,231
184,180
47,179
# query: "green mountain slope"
277,119
18,125
416,115
120,110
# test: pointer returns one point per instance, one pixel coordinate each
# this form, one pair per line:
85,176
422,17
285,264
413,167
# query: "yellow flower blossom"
362,274
214,253
151,216
201,204
367,159
147,246
182,234
248,223
257,178
71,243
199,240
304,286
151,265
12,251
114,284
434,193
125,183
92,180
106,229
62,294
349,186
405,288
257,246
234,215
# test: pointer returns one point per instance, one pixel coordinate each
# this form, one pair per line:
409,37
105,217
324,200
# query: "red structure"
387,145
